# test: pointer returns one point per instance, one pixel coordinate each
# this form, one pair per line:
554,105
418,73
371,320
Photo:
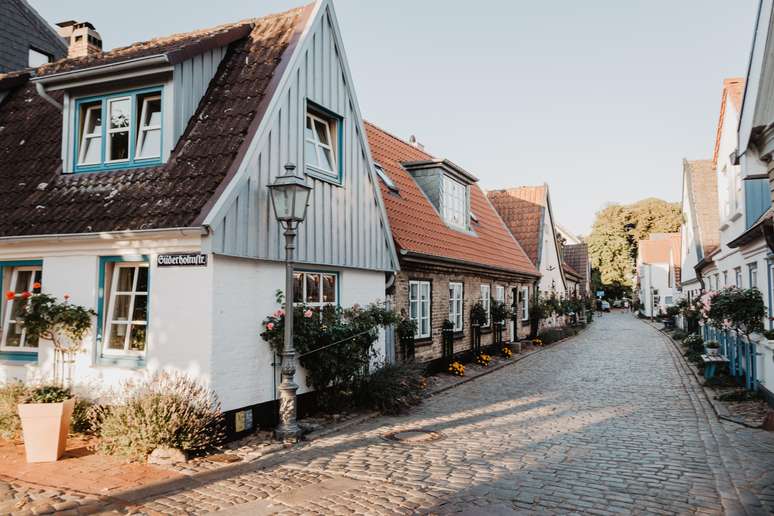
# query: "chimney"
81,38
413,141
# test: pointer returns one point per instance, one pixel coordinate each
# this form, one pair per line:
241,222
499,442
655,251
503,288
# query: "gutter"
45,96
475,267
106,235
131,64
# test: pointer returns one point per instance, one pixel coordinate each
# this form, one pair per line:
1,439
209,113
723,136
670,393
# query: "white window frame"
115,130
752,269
419,308
319,145
143,129
456,303
90,136
129,323
738,277
525,303
499,294
319,303
486,301
455,203
8,309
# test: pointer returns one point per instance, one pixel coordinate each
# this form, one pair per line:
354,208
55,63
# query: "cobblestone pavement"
608,422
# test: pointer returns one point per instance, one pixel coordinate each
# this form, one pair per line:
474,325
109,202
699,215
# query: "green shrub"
87,417
694,343
679,335
551,335
11,394
392,389
168,410
48,393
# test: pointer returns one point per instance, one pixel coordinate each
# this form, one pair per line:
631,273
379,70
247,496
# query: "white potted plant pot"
45,427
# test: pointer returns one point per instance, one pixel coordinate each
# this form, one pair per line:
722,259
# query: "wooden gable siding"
345,224
191,78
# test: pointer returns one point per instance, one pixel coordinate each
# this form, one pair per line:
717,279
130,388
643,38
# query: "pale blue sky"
601,99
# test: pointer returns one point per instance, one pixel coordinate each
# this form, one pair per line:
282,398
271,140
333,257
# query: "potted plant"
45,418
712,348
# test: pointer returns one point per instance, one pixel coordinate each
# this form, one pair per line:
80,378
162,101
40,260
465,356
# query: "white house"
527,212
135,181
658,272
754,150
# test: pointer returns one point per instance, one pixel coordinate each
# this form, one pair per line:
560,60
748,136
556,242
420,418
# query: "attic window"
385,178
121,130
455,203
322,143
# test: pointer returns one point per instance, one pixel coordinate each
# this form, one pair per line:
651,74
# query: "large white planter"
45,427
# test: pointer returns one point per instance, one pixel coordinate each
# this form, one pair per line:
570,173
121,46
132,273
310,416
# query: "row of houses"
134,181
728,229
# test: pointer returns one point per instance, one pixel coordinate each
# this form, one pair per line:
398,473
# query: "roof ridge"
398,138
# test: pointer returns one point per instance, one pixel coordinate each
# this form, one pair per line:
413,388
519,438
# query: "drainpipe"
44,95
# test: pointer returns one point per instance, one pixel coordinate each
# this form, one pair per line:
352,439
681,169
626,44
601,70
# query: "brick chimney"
81,38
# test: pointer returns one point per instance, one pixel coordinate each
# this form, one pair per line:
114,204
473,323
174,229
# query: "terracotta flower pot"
45,427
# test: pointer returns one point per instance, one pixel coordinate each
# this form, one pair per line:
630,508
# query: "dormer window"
322,143
120,130
455,203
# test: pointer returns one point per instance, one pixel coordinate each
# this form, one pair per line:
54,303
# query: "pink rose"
66,297
279,313
270,326
308,314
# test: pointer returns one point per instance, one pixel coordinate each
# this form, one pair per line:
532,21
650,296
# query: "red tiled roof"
568,269
657,250
523,211
733,89
418,228
38,199
703,196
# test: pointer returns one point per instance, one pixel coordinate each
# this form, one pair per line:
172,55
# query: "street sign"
600,294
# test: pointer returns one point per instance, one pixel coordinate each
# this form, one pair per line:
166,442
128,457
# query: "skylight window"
455,203
389,183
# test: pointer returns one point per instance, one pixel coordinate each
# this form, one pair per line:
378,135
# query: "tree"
616,231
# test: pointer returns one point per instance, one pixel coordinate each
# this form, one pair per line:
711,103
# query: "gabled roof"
570,271
702,183
37,199
659,248
523,211
418,228
733,90
577,257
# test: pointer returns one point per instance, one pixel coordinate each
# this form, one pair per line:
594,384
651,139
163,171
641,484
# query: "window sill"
125,165
18,357
323,176
458,335
123,362
424,341
487,330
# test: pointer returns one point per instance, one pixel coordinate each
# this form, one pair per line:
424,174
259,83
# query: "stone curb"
720,410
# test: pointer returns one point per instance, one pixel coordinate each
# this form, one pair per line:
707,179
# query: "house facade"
454,249
26,39
159,217
527,213
658,272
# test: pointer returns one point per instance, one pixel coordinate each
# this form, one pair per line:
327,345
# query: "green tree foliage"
618,228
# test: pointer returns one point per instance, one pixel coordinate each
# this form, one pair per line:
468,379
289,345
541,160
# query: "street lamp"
290,198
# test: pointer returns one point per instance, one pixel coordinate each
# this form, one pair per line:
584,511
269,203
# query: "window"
738,277
455,203
486,294
419,307
389,183
118,131
316,289
499,293
37,58
455,305
717,281
725,278
23,280
753,270
321,147
524,303
668,300
127,314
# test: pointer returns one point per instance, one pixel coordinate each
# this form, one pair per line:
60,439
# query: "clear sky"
601,99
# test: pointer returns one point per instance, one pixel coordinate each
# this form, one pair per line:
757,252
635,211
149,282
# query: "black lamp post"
290,198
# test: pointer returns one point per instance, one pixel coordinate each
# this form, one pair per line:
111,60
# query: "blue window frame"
323,143
132,138
110,296
23,354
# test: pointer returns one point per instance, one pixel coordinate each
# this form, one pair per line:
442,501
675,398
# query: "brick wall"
439,278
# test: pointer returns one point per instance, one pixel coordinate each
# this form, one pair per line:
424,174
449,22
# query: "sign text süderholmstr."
182,260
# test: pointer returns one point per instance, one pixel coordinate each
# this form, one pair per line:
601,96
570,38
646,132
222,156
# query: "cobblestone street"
607,422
